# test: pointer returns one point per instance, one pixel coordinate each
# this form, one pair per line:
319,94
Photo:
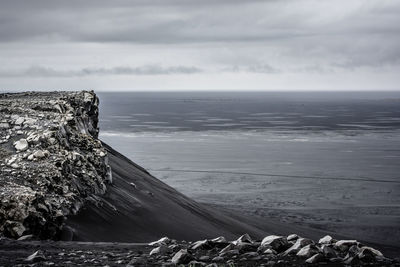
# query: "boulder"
307,251
21,145
325,240
161,250
4,125
181,257
202,244
19,121
36,256
345,244
219,239
369,254
244,239
292,237
300,243
277,243
39,154
328,251
315,259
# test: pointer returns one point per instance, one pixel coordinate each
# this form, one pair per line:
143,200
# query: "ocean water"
323,160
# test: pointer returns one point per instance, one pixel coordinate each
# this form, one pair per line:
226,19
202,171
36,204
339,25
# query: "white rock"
307,251
29,121
219,239
300,243
314,259
15,165
292,237
39,154
161,250
19,121
4,125
165,240
366,251
21,145
325,240
181,257
244,238
274,241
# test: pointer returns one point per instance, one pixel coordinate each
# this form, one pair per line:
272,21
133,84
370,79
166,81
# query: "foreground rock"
51,160
168,252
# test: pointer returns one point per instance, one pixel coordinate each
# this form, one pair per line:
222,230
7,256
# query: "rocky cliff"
51,160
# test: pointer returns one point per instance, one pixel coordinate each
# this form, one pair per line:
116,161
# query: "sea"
325,160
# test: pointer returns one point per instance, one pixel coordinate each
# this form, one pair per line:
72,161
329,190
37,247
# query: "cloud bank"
209,37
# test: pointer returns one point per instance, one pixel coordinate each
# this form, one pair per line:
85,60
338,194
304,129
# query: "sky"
156,45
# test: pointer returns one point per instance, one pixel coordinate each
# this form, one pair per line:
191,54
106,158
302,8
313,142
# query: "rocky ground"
271,251
51,160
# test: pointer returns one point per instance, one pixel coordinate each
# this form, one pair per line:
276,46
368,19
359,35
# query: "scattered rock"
161,250
292,237
182,257
21,145
307,251
315,259
369,254
325,240
300,243
35,257
277,243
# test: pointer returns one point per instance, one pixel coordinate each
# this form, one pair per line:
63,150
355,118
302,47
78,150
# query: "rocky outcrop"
51,160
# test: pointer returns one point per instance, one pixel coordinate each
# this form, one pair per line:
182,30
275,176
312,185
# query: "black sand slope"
140,208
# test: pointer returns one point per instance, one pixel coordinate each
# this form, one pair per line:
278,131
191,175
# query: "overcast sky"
200,45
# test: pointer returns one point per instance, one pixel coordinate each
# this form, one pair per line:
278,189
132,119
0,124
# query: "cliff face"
51,160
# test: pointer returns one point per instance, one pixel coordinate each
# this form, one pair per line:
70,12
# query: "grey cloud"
258,68
321,34
40,71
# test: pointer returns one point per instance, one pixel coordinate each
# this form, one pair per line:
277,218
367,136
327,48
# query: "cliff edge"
51,160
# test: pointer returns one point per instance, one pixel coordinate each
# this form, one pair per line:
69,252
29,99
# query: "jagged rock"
345,244
218,259
307,251
4,125
244,238
292,237
204,258
275,242
300,243
328,251
369,254
182,257
21,145
270,252
202,244
325,240
62,182
14,229
162,241
315,259
40,154
19,121
35,257
219,239
25,238
161,250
